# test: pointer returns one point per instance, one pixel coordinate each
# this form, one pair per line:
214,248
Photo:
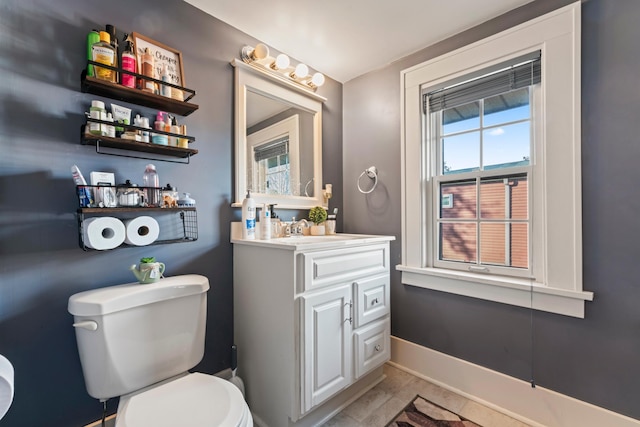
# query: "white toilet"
138,341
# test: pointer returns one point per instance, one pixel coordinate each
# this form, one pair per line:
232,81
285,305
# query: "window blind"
274,148
515,74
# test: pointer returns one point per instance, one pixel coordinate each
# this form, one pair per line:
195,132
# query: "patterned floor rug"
422,413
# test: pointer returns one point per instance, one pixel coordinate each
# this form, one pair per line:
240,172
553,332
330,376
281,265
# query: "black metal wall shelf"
136,96
100,141
179,224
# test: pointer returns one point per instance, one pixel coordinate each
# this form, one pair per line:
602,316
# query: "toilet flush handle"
89,325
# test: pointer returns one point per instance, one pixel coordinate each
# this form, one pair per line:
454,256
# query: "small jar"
186,201
330,224
129,195
98,112
169,197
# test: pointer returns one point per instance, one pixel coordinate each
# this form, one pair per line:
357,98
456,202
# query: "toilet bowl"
192,400
138,342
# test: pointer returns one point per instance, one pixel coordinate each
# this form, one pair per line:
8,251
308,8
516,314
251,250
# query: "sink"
294,243
298,240
320,242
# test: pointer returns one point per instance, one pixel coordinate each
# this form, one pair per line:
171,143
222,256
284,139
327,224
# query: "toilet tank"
143,333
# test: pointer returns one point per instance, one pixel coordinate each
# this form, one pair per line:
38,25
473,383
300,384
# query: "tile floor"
383,402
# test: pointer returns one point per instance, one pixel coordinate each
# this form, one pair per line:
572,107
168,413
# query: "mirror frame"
250,78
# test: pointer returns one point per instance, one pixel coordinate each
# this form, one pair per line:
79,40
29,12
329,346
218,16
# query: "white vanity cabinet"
311,321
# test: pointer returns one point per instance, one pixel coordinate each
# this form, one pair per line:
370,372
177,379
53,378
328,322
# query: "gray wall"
42,52
592,359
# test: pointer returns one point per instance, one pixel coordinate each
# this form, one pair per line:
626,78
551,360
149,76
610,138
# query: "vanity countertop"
301,243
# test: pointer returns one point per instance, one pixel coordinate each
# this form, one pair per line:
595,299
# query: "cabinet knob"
377,347
374,302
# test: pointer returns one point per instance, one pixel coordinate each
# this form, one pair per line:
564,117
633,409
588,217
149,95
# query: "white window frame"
433,148
557,195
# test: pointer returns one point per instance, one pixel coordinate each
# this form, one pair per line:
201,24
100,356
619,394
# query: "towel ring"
371,172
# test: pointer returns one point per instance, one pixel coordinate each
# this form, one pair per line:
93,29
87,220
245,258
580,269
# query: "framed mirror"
278,140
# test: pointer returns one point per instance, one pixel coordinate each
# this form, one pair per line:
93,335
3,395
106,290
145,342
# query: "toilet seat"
194,400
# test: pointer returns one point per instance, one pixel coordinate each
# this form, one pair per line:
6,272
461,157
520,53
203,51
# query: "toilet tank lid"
117,298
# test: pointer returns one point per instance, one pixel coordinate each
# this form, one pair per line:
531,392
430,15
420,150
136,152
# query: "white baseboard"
538,406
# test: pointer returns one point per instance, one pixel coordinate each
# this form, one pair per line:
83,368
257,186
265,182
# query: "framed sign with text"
163,55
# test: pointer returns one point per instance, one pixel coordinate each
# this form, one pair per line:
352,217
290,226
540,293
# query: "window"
491,174
272,162
273,171
483,151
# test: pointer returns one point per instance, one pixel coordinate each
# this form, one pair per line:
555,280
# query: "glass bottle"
104,53
151,181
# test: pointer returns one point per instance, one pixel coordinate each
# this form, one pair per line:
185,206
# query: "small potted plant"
317,215
149,271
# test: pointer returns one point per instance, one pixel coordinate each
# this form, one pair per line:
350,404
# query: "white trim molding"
506,290
555,284
538,407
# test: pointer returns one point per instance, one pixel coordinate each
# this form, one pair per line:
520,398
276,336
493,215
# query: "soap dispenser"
276,229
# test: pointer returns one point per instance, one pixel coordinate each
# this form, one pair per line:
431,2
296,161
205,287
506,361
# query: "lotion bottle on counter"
248,218
265,223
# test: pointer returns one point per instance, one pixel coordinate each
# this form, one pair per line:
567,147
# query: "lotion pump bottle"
248,218
265,223
129,63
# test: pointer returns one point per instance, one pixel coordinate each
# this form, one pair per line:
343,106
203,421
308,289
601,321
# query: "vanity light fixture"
281,62
317,80
300,72
250,54
258,56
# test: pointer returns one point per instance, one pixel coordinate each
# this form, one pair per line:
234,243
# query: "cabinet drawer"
371,297
324,268
371,347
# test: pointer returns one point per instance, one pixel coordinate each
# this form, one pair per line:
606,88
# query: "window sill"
514,291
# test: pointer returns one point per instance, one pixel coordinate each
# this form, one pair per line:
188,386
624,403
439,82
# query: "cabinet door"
327,360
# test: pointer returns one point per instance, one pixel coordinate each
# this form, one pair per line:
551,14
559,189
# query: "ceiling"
347,38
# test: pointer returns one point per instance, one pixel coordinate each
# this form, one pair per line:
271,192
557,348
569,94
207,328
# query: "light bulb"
261,51
281,62
317,79
300,72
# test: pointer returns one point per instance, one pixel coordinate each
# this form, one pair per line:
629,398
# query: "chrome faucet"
297,226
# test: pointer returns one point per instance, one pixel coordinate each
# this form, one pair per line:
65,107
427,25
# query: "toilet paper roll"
141,231
103,232
6,385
